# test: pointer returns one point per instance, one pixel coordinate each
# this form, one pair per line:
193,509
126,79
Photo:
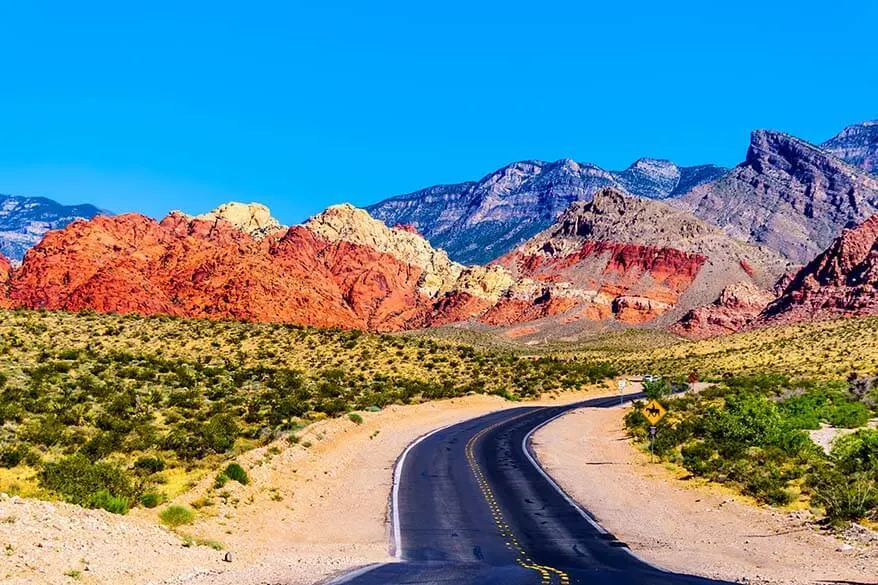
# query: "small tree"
657,389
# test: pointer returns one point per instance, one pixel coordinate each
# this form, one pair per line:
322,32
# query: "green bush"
236,472
149,465
152,499
174,516
105,500
221,480
13,455
76,479
847,497
657,390
857,452
849,415
355,418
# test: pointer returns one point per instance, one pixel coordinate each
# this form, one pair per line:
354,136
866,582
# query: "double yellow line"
522,558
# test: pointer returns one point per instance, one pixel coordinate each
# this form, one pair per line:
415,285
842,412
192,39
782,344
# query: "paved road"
472,507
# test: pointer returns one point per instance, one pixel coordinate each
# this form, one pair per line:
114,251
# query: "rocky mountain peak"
614,216
656,167
770,149
440,274
857,145
788,195
479,221
253,219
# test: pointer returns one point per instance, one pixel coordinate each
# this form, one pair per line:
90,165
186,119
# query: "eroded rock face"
213,269
857,145
738,306
634,260
5,277
841,281
253,219
440,274
788,195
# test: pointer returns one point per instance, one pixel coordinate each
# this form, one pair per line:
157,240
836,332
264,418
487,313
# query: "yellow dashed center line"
522,557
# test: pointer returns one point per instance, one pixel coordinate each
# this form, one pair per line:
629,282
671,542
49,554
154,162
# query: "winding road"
472,506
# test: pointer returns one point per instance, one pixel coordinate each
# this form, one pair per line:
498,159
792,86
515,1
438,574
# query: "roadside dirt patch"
689,526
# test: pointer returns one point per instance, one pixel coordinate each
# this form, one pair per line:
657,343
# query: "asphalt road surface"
471,506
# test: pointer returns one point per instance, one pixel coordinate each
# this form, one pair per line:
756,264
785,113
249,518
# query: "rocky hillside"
618,259
788,195
857,145
737,306
841,281
24,221
342,268
633,260
478,221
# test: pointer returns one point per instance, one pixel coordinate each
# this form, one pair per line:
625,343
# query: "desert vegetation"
114,412
750,431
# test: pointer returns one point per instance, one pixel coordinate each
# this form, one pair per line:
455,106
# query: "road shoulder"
688,526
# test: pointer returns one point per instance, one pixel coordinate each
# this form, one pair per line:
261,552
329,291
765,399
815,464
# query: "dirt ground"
311,510
690,526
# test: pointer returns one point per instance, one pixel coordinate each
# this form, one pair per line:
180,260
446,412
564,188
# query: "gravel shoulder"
690,526
311,510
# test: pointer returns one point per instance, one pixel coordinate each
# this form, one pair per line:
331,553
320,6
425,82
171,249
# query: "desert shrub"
106,501
175,516
658,389
101,445
220,433
848,415
847,497
13,455
152,499
220,481
76,479
857,452
355,418
237,473
149,464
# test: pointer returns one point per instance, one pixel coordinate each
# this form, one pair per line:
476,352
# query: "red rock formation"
211,269
5,276
132,264
650,279
842,281
737,307
510,309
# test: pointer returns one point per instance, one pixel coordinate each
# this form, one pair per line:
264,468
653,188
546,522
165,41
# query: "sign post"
653,412
622,384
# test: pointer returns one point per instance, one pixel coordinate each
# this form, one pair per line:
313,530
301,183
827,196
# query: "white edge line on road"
397,530
397,479
527,453
347,577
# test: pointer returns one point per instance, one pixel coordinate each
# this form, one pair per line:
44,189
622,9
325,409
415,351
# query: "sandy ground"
311,510
690,526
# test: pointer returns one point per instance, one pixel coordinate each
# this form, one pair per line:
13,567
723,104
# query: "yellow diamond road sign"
653,412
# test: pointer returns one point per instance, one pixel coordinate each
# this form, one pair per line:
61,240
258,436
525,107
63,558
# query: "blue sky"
162,105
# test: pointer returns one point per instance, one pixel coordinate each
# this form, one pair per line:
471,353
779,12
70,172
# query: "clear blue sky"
303,104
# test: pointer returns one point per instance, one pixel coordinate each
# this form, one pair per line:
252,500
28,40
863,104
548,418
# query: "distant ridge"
25,220
478,221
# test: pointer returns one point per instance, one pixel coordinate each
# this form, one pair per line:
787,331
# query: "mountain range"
787,193
25,220
699,250
476,222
